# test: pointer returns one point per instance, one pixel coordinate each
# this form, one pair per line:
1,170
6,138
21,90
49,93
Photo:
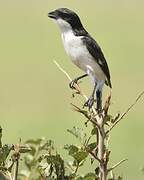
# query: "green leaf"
120,178
108,118
93,132
92,146
33,149
4,152
57,163
78,133
80,156
72,149
90,176
75,131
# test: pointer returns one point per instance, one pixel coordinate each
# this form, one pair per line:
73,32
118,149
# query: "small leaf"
94,130
78,133
108,118
80,156
33,150
4,152
120,178
75,131
92,146
71,149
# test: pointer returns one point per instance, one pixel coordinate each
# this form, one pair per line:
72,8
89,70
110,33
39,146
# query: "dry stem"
101,154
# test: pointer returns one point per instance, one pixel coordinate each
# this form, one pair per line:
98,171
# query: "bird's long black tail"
99,100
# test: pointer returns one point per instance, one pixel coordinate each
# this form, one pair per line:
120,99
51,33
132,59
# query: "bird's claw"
99,111
89,103
71,84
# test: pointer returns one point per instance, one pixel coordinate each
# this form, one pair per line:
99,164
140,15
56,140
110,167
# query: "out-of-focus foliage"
39,159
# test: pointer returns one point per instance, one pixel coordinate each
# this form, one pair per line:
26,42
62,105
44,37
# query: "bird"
84,52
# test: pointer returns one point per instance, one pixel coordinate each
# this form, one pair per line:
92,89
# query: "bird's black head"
68,16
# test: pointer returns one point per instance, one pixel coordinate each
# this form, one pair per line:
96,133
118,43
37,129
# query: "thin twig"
112,175
76,169
67,75
70,79
76,108
98,120
107,105
117,164
128,109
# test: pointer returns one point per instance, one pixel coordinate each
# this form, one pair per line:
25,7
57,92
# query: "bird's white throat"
63,25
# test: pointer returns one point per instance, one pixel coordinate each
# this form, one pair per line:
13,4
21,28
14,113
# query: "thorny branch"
101,153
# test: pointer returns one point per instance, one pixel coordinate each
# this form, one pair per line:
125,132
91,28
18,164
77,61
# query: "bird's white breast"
72,44
80,56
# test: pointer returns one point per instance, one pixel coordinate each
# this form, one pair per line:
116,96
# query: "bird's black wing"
97,53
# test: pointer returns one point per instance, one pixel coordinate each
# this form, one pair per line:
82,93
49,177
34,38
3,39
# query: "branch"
128,109
77,87
85,113
16,158
16,169
116,165
98,121
107,105
93,154
70,79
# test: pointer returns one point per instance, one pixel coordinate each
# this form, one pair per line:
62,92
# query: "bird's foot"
71,84
89,103
99,110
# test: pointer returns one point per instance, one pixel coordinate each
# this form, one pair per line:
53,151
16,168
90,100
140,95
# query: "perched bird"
84,52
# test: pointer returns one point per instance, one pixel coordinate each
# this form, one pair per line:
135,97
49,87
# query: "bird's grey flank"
84,52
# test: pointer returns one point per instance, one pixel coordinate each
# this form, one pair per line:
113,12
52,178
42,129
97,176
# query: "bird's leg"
99,100
71,84
89,103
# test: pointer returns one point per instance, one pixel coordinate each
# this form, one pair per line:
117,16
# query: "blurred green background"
34,94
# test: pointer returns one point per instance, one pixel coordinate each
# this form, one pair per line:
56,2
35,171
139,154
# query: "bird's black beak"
53,14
